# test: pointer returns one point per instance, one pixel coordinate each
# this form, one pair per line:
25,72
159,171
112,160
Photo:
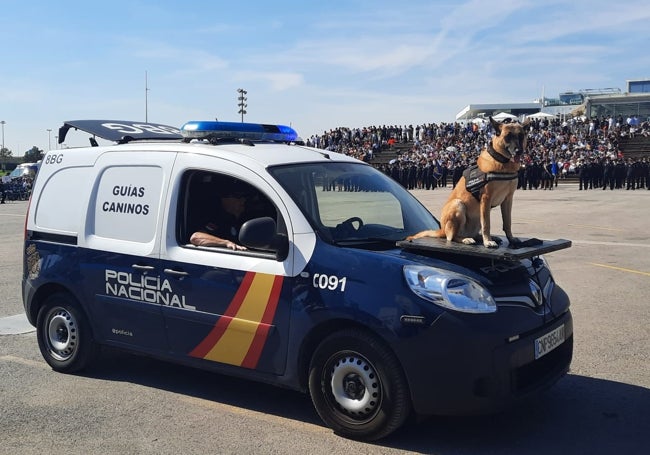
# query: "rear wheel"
64,334
357,386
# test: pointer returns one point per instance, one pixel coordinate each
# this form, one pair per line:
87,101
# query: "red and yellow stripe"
238,336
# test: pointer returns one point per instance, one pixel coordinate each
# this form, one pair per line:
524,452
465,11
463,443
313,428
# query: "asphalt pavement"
128,404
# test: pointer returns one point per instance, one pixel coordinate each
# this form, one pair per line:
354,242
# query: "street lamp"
146,99
242,102
49,139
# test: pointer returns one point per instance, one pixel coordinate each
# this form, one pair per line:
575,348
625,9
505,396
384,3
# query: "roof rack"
121,131
216,131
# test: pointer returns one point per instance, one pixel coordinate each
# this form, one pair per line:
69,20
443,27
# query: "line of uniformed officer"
604,173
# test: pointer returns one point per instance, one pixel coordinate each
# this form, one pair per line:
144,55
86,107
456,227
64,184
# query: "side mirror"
261,234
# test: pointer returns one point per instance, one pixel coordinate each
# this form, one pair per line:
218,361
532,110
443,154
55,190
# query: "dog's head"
510,138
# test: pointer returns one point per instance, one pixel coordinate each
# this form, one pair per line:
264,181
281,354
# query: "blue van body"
433,327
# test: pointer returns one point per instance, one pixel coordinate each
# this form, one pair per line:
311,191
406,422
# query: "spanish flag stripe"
274,298
239,297
255,350
222,323
235,342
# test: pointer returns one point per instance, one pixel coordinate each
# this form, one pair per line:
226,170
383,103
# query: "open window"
200,203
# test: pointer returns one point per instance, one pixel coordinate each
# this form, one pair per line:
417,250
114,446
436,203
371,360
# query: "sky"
313,65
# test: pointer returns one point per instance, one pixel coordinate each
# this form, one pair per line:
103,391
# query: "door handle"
175,272
142,267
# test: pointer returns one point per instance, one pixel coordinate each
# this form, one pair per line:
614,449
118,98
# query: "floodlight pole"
242,102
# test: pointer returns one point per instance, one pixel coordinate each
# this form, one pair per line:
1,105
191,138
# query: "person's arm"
205,239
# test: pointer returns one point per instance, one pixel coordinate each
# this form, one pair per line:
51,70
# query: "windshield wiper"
366,240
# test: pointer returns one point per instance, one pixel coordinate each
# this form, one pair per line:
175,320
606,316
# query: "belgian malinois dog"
466,214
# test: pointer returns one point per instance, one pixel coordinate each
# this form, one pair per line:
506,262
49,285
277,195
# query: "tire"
64,334
357,386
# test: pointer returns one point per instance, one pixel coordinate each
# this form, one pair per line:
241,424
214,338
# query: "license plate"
548,342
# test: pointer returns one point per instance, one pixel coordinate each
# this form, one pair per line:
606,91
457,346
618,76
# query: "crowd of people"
436,154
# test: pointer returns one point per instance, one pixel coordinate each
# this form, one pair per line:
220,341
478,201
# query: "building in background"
638,86
603,102
483,111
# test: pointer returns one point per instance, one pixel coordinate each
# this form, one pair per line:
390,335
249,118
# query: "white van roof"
264,144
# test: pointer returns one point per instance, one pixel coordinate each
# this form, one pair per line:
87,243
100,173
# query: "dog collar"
497,156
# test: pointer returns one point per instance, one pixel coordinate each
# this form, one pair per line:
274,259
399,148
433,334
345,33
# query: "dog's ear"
526,124
496,125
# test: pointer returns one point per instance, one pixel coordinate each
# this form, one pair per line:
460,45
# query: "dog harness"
475,179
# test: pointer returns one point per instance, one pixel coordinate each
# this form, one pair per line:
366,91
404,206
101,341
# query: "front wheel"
357,386
64,334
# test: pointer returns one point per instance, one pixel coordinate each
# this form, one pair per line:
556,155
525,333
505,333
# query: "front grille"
537,372
538,298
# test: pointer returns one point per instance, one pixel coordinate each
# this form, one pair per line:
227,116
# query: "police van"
322,294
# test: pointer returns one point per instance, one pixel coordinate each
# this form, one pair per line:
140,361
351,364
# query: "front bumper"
457,369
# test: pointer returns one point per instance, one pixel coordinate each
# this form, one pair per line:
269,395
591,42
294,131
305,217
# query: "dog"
466,214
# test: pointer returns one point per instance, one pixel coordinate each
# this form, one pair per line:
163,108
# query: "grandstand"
388,154
590,124
635,147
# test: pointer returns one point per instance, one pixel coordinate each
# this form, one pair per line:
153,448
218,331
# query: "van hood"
502,266
527,248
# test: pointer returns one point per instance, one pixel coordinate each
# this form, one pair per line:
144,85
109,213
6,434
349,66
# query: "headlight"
449,290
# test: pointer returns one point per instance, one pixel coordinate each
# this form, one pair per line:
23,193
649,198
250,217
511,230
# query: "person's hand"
233,246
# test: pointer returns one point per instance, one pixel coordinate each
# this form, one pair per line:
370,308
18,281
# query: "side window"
218,205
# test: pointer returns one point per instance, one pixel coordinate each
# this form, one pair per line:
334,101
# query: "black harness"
475,179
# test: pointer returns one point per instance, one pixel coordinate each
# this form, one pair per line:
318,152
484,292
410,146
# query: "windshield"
350,202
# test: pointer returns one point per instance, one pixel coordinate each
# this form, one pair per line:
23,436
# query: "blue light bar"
236,130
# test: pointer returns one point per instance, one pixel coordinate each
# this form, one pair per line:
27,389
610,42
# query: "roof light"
236,130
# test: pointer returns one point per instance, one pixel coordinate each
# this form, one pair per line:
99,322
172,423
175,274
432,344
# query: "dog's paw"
514,242
469,241
491,244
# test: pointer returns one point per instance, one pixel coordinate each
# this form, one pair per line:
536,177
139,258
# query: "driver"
224,230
